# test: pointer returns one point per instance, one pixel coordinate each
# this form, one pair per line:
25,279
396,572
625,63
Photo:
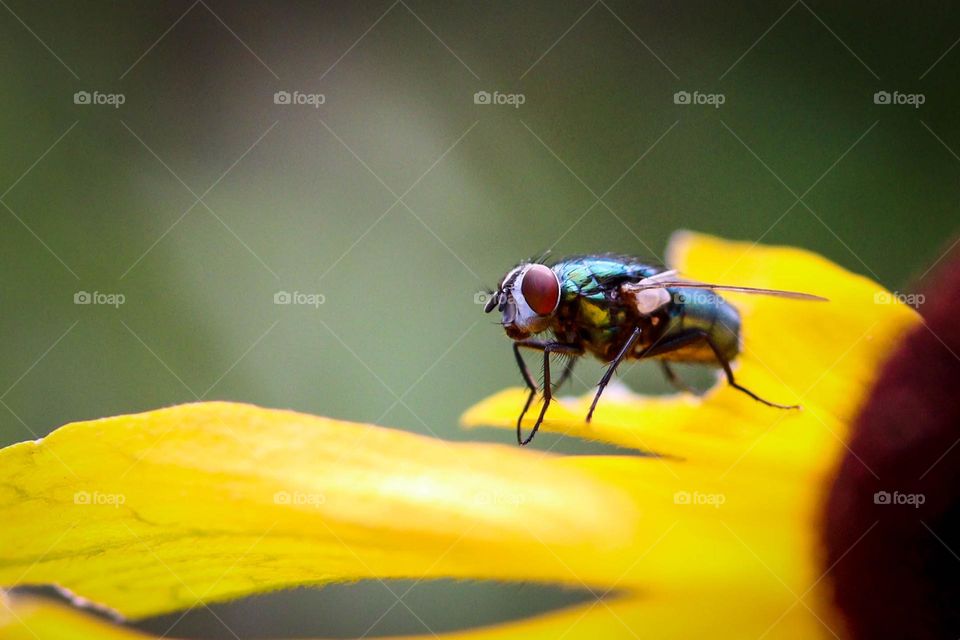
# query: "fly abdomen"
701,310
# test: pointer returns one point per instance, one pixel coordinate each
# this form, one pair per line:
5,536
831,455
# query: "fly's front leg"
547,348
524,371
527,378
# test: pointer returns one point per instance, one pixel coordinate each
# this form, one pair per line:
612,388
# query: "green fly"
618,308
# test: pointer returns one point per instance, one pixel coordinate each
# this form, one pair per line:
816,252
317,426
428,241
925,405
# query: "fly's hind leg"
733,383
689,337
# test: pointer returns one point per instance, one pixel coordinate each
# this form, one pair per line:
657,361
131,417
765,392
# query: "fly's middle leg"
608,374
674,379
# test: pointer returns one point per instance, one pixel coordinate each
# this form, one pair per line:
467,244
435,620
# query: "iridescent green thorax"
594,276
591,312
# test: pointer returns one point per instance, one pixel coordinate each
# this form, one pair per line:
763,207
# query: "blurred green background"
199,198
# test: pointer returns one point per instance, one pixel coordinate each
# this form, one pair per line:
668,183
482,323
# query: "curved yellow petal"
822,355
159,511
662,616
744,533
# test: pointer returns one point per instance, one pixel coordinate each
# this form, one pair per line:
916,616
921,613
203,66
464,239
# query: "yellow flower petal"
159,511
745,533
823,355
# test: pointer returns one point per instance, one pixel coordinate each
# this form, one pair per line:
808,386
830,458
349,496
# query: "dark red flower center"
892,523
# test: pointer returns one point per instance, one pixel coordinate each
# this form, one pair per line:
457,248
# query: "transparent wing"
657,283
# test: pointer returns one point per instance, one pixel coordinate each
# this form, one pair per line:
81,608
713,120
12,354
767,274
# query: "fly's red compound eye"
541,289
